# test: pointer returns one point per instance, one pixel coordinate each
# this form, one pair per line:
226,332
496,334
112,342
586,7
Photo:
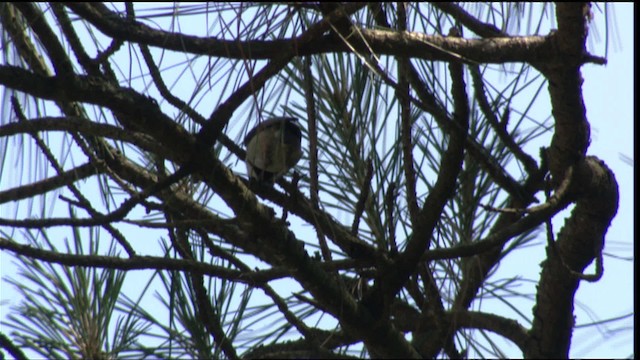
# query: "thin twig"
362,199
314,188
500,127
389,206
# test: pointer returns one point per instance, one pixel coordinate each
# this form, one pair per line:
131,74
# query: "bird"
273,147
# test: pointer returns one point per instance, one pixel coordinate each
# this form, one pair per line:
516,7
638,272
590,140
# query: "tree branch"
572,131
14,350
133,263
469,21
383,42
499,127
579,242
593,186
48,38
394,277
43,186
74,124
508,328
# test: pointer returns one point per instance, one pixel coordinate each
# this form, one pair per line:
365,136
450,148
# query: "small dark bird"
273,147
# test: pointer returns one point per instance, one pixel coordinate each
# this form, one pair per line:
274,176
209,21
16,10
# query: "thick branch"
147,114
579,242
568,144
382,42
572,132
592,185
508,328
297,349
48,38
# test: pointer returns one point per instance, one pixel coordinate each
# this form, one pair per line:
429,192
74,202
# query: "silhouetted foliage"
138,234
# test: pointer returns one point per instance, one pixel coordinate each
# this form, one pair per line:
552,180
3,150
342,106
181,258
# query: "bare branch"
133,263
469,21
44,186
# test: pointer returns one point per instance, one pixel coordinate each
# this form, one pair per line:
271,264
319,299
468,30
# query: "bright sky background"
608,93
